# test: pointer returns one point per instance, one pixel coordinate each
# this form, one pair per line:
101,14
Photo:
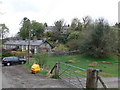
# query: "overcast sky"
13,11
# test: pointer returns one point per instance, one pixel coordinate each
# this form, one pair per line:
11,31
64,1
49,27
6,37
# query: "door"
15,60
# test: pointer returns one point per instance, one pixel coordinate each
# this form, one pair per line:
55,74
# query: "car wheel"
8,64
22,62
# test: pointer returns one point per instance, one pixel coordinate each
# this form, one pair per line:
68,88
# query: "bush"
73,45
74,35
25,51
61,48
41,58
7,54
19,54
19,49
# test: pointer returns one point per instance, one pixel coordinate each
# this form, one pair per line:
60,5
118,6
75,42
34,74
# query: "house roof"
24,42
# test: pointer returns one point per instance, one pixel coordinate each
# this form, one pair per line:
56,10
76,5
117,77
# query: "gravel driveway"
18,77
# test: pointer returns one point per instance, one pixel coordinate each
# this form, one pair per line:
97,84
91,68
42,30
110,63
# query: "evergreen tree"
97,44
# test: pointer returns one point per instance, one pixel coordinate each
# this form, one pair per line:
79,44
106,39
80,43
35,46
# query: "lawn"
109,69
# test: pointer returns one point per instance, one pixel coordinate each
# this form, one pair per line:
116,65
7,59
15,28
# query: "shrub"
6,54
41,58
74,35
19,49
61,48
25,51
73,45
19,54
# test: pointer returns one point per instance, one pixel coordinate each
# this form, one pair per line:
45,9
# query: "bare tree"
3,31
59,25
86,21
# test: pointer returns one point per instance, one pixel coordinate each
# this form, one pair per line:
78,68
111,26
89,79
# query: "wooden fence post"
92,79
105,86
57,70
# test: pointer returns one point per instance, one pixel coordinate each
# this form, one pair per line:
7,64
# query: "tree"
117,25
73,44
3,31
74,35
74,40
45,24
25,29
37,29
59,25
76,25
97,44
86,21
58,29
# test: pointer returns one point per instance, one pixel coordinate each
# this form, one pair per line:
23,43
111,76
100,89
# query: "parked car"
13,60
1,58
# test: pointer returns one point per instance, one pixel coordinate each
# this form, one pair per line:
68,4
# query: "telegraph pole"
27,21
29,43
29,48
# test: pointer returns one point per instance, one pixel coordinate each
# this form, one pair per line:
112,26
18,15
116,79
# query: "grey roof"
24,42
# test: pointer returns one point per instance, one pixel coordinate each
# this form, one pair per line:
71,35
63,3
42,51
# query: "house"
35,45
53,28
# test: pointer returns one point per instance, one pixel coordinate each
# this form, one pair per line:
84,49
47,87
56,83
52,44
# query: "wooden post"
53,69
105,87
57,70
92,79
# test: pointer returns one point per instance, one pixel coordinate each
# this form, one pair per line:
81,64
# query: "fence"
78,77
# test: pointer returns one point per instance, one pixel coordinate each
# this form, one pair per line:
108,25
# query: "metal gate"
78,77
73,75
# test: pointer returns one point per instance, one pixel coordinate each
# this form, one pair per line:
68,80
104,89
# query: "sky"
13,11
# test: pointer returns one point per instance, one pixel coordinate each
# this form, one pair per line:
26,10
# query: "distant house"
35,45
48,29
53,28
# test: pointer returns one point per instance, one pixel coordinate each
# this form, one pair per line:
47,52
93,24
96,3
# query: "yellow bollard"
35,68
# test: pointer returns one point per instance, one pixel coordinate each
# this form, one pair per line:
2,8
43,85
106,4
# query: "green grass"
82,61
28,66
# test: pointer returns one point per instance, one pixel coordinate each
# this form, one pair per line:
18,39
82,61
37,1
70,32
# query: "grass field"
109,69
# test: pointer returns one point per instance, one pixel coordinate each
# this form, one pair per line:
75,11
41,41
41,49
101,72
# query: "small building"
35,45
53,28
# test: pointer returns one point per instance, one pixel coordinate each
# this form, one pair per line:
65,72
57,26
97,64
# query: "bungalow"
35,45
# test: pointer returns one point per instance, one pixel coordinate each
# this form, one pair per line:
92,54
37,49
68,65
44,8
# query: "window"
15,58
